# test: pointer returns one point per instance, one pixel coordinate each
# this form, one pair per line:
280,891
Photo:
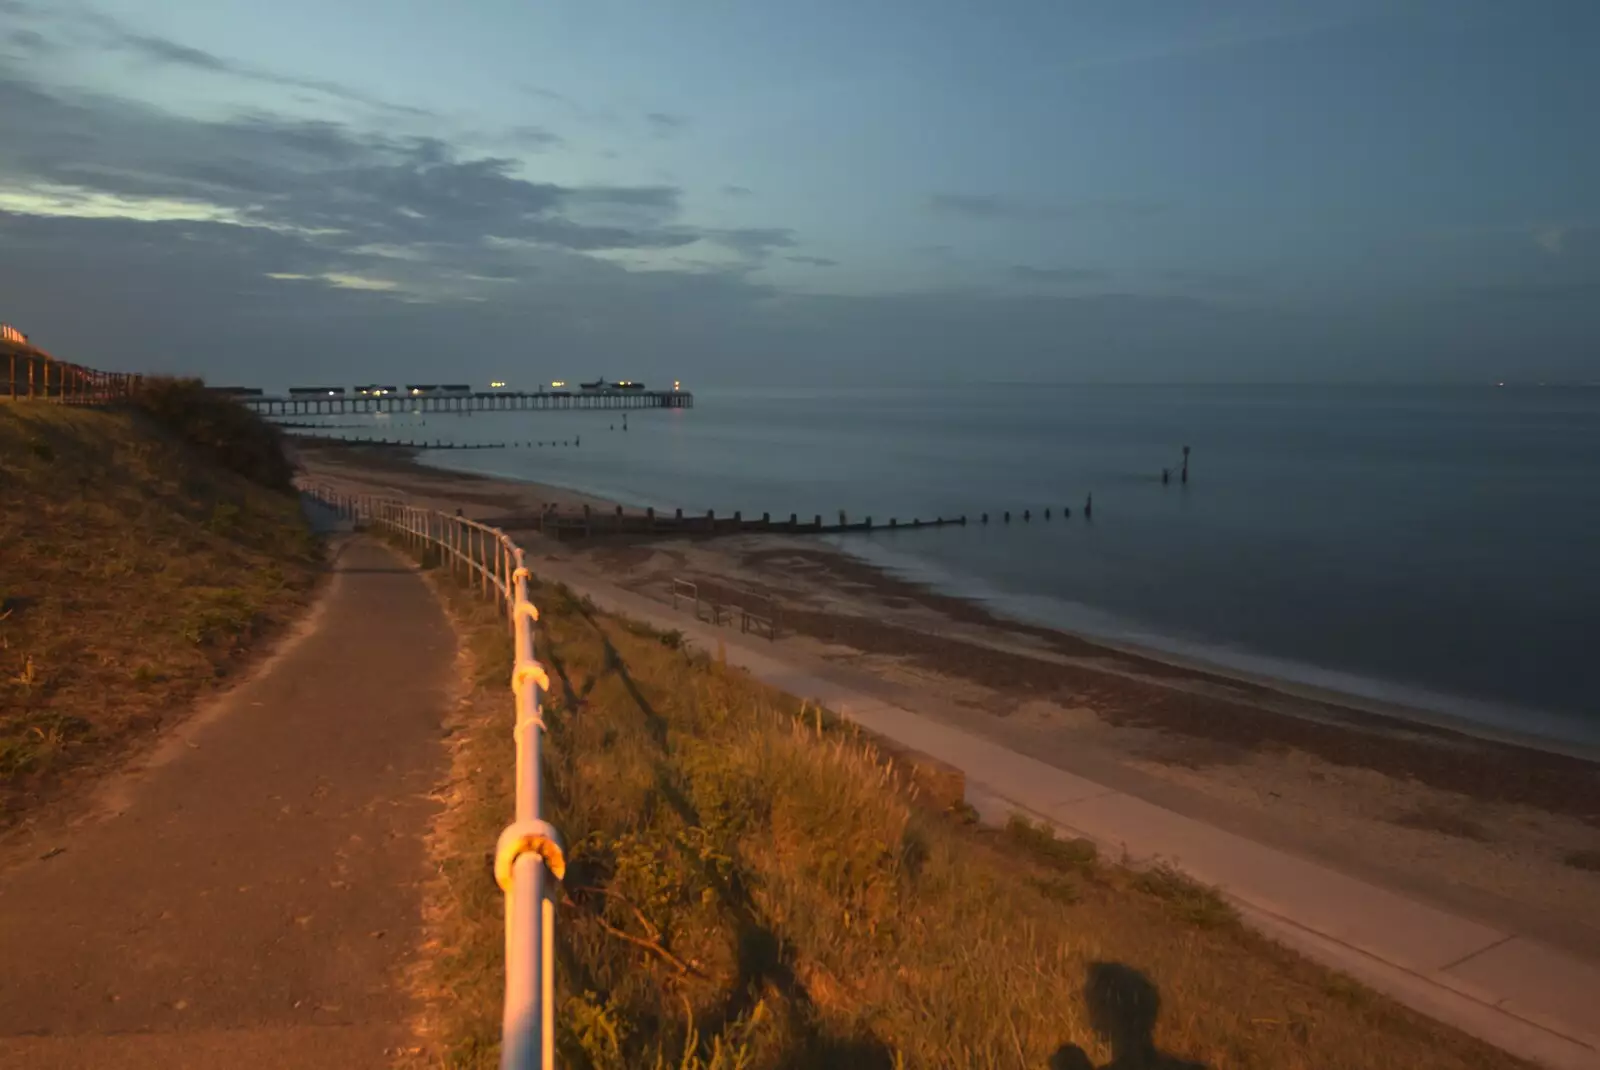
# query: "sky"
843,191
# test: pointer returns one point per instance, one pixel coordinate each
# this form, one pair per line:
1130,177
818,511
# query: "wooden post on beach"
818,522
794,521
650,519
588,528
711,520
619,518
893,523
678,516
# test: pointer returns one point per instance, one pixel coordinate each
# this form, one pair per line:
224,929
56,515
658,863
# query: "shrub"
218,426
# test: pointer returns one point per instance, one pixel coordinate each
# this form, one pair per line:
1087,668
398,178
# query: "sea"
1432,548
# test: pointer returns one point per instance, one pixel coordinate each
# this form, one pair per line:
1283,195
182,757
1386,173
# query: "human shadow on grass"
1123,1006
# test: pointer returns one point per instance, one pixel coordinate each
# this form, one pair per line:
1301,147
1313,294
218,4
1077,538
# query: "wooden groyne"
591,523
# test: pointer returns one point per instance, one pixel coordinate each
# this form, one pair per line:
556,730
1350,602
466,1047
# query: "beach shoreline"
406,464
1500,828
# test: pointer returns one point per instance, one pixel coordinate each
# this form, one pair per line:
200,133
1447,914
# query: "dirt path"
249,896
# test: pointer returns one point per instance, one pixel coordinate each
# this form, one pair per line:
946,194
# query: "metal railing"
32,375
529,857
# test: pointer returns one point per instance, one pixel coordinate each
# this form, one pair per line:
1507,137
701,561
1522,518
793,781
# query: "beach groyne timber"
591,523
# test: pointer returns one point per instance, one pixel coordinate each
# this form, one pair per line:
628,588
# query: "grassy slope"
748,888
134,571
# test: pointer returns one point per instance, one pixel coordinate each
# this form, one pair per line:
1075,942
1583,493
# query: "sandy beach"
1497,828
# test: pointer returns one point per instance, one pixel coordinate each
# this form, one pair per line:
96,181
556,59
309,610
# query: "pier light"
332,393
497,384
559,382
674,384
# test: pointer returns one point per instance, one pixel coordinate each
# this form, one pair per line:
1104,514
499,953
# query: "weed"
1434,818
1060,889
1039,840
1187,899
1585,860
29,674
224,519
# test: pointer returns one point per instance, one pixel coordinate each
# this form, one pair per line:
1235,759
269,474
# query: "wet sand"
1502,829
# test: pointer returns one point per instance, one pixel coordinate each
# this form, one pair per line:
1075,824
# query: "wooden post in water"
1185,477
1088,507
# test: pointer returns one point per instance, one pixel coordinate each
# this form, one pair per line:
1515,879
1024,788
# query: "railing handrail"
529,857
44,378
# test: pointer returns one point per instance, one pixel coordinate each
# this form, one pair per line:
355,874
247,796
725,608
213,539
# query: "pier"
338,404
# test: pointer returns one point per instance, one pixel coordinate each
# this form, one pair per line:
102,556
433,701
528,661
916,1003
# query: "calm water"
1430,546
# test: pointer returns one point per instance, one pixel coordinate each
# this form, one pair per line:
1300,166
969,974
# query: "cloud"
813,261
353,188
981,206
737,191
665,124
994,206
1551,239
1027,273
534,138
1585,292
1212,280
60,25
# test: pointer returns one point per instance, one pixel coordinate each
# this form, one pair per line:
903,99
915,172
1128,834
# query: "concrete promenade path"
250,894
1512,989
